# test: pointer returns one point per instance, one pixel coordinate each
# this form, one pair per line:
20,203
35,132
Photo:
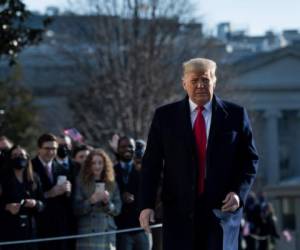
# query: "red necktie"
200,137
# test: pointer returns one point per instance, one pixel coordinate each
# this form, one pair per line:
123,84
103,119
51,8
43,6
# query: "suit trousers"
208,231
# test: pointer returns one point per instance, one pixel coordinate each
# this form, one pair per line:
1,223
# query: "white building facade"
268,85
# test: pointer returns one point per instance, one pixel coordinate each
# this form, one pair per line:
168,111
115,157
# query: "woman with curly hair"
96,201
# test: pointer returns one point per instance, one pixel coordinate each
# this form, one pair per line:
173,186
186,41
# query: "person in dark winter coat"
21,200
128,179
205,149
267,227
53,221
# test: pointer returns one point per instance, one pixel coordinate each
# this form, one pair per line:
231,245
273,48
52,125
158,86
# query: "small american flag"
74,134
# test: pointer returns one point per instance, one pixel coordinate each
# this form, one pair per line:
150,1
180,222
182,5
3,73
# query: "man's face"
47,151
126,149
199,86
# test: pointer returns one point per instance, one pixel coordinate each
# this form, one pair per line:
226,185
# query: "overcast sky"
256,16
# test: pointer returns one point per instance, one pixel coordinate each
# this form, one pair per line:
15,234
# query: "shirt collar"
193,106
125,164
46,164
63,161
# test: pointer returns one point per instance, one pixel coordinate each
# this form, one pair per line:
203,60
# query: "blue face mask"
19,163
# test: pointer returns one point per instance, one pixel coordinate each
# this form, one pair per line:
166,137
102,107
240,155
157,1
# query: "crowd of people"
69,189
258,228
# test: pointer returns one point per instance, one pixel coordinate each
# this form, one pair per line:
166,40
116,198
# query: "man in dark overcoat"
204,147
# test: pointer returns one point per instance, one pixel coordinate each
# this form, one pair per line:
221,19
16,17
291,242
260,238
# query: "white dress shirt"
46,164
48,168
206,114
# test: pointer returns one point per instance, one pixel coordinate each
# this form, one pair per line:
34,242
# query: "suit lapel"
219,115
42,172
186,126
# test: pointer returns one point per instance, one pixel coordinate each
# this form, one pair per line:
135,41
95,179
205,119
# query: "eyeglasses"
49,148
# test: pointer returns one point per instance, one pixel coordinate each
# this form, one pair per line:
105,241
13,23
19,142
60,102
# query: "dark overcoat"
53,221
231,165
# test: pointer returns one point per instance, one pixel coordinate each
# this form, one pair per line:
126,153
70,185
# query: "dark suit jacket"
72,170
15,227
231,166
53,221
129,216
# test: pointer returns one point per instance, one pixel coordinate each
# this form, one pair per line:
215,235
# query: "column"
272,172
296,151
297,231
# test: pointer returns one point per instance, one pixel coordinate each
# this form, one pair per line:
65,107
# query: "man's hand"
30,203
113,143
67,186
128,197
56,191
231,202
13,208
146,216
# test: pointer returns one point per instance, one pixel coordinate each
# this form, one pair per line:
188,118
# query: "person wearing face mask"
70,168
64,157
21,200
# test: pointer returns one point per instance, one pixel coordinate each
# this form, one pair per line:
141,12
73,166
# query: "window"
288,213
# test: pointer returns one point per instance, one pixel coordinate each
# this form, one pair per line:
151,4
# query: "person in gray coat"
96,202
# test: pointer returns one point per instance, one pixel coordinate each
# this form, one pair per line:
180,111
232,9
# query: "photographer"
96,202
21,199
53,221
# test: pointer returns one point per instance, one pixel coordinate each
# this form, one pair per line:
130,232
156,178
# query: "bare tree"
129,56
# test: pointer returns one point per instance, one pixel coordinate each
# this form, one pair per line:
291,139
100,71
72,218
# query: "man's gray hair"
200,65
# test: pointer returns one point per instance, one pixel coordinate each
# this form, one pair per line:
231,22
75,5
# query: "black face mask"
19,163
63,151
